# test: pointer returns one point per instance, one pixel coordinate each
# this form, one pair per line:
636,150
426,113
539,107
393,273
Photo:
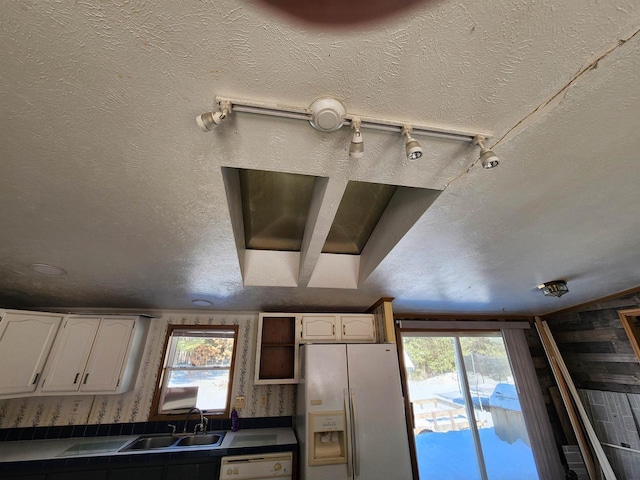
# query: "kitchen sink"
148,443
152,442
207,439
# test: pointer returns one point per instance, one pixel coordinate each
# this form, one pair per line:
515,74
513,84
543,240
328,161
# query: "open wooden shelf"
277,349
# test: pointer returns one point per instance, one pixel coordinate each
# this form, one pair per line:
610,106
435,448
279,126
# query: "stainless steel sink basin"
152,442
149,443
213,439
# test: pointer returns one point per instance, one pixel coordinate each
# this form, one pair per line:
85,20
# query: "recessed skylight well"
269,214
361,207
274,209
289,233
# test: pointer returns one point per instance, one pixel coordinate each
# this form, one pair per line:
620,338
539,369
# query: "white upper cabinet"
108,355
357,328
94,354
317,328
25,342
344,328
70,354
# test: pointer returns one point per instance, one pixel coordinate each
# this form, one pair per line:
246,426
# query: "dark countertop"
61,450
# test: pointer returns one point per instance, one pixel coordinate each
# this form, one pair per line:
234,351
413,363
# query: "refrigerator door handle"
356,434
347,411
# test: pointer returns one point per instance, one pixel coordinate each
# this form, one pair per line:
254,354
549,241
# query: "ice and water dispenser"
327,438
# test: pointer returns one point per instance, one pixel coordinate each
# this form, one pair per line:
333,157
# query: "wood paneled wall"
596,348
597,352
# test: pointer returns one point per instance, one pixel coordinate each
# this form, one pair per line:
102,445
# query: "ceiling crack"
553,100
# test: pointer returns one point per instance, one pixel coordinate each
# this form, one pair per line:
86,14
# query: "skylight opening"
275,207
360,209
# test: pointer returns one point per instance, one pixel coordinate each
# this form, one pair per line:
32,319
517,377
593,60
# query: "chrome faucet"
202,426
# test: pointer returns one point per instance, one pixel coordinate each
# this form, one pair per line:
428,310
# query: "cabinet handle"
75,380
35,380
344,330
85,379
333,329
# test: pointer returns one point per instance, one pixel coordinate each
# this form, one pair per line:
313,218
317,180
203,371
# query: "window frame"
154,415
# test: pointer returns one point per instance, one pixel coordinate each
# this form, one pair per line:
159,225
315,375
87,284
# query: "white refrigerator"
350,417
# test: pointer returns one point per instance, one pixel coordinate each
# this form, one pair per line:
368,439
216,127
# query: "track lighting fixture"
356,147
556,288
488,159
329,114
210,120
413,148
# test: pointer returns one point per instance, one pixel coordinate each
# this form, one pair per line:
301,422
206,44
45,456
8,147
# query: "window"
197,370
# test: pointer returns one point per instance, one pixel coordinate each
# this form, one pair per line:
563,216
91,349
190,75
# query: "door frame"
511,329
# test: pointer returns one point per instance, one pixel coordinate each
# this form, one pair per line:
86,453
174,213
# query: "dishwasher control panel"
274,466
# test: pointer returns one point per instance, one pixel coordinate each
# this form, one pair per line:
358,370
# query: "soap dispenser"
235,423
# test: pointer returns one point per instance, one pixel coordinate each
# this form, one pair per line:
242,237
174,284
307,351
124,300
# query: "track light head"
210,120
356,147
412,147
488,158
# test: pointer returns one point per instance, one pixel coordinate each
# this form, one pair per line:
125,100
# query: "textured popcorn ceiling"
104,172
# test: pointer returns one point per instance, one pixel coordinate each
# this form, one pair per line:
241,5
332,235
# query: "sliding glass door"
467,419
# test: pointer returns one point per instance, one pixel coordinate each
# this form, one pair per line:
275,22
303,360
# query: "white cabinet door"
108,355
318,328
70,354
357,328
25,342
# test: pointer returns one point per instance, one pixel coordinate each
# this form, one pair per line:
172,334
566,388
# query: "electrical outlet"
76,407
263,401
241,401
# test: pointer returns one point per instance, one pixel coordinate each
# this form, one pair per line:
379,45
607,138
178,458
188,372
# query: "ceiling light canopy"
199,302
329,115
46,269
556,288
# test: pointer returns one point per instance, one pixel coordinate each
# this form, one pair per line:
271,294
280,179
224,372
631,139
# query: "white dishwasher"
272,466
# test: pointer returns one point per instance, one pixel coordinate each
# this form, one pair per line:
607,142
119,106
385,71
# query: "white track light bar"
303,113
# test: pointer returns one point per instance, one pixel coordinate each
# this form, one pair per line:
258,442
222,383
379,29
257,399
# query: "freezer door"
381,445
325,376
323,389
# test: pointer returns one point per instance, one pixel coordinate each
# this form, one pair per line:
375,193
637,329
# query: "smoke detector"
327,114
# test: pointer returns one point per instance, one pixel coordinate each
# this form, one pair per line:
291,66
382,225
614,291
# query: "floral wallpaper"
134,405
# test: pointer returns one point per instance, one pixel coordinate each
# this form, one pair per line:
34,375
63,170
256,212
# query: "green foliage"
202,352
432,356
